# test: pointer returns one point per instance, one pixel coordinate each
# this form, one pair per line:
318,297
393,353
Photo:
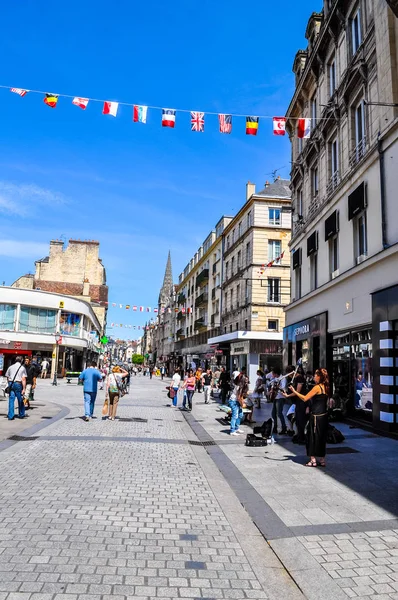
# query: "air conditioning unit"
361,258
335,274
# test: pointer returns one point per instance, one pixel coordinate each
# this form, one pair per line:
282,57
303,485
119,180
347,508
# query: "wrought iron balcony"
358,153
333,183
202,278
180,315
202,299
181,298
200,324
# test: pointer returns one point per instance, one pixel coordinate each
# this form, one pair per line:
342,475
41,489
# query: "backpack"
334,436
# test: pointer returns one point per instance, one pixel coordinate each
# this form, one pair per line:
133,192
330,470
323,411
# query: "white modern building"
62,329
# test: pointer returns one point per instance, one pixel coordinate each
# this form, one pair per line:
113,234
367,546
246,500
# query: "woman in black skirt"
318,423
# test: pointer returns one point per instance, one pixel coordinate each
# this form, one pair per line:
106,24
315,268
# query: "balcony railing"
181,298
180,315
202,278
202,299
333,183
180,333
200,324
358,153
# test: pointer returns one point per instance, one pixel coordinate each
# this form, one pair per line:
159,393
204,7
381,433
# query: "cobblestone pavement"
126,509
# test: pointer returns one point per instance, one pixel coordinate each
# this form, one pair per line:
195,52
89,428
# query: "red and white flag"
139,113
279,125
19,91
304,128
110,108
168,117
141,309
134,308
155,310
80,102
183,311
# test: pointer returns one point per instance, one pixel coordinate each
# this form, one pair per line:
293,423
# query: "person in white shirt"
16,377
175,384
44,368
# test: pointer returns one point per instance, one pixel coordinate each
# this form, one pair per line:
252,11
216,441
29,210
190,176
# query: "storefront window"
69,324
38,320
7,316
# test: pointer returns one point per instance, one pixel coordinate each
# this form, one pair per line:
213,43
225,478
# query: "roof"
280,188
46,259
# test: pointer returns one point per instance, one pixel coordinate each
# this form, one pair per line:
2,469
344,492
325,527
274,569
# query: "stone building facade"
344,179
75,271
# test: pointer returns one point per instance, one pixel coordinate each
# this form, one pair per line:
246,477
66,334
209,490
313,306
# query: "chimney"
267,184
250,189
56,247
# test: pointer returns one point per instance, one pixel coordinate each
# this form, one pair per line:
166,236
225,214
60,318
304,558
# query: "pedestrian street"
164,504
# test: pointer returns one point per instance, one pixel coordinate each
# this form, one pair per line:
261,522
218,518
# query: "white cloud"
19,199
23,250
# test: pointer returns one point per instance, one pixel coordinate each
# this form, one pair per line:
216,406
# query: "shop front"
308,340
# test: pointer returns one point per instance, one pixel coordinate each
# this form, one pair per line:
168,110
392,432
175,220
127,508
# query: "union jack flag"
197,121
225,123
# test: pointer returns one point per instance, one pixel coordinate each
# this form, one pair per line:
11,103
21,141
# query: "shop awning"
312,243
332,225
297,258
357,201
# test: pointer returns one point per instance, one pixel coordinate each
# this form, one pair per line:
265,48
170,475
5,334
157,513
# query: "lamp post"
58,340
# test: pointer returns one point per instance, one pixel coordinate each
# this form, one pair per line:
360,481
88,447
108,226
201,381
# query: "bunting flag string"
303,125
147,309
276,261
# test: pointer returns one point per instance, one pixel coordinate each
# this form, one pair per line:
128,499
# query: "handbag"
9,385
105,408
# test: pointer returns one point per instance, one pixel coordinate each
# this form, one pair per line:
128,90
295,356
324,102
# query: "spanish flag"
51,100
252,125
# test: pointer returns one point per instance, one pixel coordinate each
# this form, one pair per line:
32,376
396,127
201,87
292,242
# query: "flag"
225,123
51,100
112,324
127,306
139,113
168,117
183,311
282,255
134,308
120,305
110,108
304,128
270,264
252,125
189,310
176,310
279,125
80,102
141,309
155,310
197,121
113,303
19,91
148,309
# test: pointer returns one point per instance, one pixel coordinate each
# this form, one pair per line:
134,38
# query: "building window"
240,229
360,237
314,271
274,286
228,242
246,324
300,207
315,182
334,157
334,256
356,32
239,260
248,253
238,296
226,302
313,110
233,266
230,329
274,249
274,216
332,77
300,145
233,237
41,320
249,219
226,270
246,291
360,140
273,324
237,326
297,283
7,316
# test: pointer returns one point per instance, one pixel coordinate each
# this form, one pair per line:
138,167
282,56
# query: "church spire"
167,287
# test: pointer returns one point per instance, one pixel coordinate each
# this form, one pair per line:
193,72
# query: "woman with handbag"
114,390
317,427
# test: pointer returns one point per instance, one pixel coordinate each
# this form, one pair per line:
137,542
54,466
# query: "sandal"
322,463
312,463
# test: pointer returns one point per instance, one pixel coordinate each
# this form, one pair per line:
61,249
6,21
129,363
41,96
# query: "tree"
137,359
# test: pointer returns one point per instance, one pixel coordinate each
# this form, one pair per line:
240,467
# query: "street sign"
62,304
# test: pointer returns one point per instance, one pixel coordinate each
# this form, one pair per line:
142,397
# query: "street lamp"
58,340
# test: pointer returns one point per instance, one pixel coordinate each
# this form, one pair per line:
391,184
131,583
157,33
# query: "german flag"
252,125
51,100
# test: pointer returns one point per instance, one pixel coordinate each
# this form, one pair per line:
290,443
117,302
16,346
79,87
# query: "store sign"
5,342
240,348
302,330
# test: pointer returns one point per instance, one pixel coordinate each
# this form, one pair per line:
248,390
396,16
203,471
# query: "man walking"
31,375
16,377
224,384
207,380
44,368
90,378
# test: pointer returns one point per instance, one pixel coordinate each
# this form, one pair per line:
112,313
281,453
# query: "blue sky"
139,189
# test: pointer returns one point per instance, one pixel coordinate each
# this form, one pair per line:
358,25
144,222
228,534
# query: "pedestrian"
16,377
198,377
189,386
277,395
224,385
44,368
207,380
258,390
31,375
90,378
236,402
162,371
175,385
114,386
318,422
302,409
235,373
151,369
